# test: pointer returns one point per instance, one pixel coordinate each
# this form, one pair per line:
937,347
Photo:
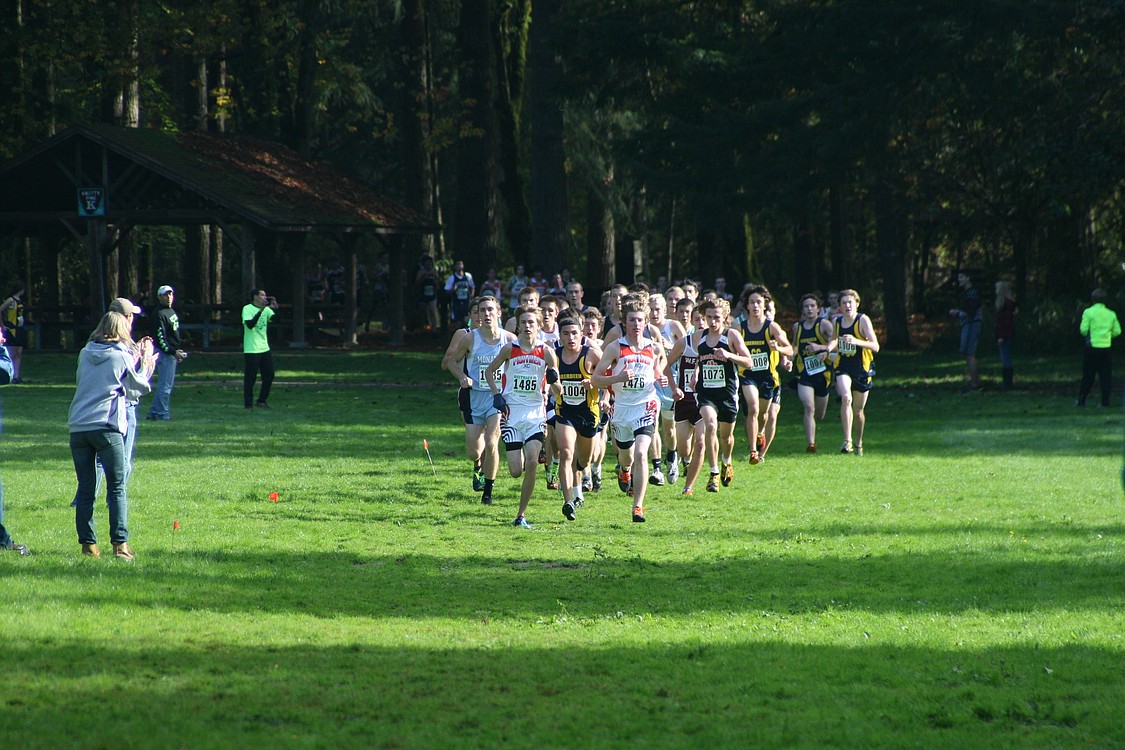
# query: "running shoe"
761,442
755,458
713,483
811,448
624,481
521,522
638,514
859,450
596,482
688,491
673,471
568,511
478,480
657,477
846,447
727,474
486,498
542,455
629,491
552,476
587,482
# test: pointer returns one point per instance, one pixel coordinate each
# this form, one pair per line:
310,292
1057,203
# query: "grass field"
962,585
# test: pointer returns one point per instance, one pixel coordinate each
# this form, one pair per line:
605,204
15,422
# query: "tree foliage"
803,143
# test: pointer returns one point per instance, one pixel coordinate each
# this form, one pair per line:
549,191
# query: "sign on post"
91,202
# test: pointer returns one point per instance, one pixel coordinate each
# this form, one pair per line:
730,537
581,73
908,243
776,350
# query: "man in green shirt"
256,346
1100,327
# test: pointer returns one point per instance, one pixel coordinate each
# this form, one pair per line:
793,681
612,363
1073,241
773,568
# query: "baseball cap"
164,290
124,306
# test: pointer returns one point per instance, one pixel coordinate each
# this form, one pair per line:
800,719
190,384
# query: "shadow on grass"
751,694
591,584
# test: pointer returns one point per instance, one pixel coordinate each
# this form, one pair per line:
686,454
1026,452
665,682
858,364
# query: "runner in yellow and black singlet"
812,335
766,342
857,345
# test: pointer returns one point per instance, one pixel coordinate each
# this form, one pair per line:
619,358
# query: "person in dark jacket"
166,337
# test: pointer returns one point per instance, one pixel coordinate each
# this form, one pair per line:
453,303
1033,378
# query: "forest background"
802,144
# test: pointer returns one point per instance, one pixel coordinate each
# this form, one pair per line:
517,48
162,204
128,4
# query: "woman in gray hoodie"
111,371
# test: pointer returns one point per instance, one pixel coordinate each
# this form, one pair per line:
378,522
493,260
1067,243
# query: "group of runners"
659,379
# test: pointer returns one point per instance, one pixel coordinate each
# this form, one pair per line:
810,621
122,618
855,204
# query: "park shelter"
99,182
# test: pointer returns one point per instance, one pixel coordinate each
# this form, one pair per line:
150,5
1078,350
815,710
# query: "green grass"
960,586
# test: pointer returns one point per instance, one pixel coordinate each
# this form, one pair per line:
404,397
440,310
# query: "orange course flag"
273,496
175,525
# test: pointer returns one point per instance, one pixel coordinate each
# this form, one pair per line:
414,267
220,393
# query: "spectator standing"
315,286
166,335
1005,329
427,282
256,347
110,372
11,317
970,316
492,287
460,288
557,287
380,287
574,295
129,310
539,281
515,285
1100,326
721,290
6,542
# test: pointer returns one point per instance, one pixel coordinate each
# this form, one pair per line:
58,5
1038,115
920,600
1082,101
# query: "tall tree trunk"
510,35
299,126
841,249
548,170
804,260
891,244
1022,242
217,234
416,107
601,253
475,215
197,268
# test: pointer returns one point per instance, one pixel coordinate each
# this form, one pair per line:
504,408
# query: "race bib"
712,375
525,384
463,293
483,380
813,365
573,392
847,348
759,361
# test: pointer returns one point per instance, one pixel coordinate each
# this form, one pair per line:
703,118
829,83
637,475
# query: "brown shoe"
91,550
122,550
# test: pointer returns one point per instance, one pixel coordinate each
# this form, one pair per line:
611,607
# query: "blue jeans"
130,450
86,448
1005,352
165,379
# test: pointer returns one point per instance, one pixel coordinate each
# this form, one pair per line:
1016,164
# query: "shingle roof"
238,176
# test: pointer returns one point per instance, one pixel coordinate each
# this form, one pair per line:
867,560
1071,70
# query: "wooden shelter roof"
155,177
